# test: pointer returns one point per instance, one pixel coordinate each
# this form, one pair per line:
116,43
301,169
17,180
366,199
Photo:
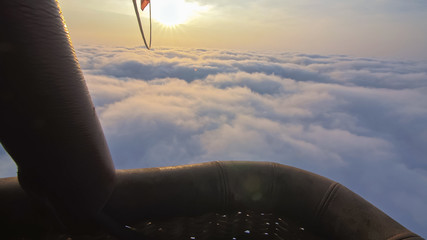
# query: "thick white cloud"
358,121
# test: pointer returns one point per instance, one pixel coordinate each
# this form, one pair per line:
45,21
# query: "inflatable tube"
317,203
48,123
226,187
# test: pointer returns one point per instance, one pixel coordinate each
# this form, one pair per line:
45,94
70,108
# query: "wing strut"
144,3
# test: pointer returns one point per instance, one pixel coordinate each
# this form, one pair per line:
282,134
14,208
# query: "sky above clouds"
338,88
374,28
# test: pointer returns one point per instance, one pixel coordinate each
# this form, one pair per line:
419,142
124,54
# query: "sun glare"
175,12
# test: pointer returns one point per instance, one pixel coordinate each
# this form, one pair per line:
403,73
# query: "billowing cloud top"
359,121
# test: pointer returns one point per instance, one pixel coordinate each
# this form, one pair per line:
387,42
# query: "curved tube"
226,187
324,206
48,123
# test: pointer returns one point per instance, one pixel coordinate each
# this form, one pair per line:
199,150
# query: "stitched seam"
273,186
225,189
403,236
326,200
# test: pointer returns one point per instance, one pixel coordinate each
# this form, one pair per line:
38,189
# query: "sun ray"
175,12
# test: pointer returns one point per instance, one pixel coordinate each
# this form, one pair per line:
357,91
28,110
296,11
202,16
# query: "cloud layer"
358,121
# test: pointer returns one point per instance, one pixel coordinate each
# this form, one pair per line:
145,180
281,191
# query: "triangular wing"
144,3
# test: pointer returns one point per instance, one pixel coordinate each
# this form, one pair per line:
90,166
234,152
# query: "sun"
175,12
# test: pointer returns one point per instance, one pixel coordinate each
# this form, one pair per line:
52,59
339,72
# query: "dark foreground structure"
67,186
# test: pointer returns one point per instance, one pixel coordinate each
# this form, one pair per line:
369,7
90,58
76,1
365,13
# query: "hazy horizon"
386,29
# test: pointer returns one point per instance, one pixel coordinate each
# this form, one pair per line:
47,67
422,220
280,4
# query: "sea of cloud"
359,121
